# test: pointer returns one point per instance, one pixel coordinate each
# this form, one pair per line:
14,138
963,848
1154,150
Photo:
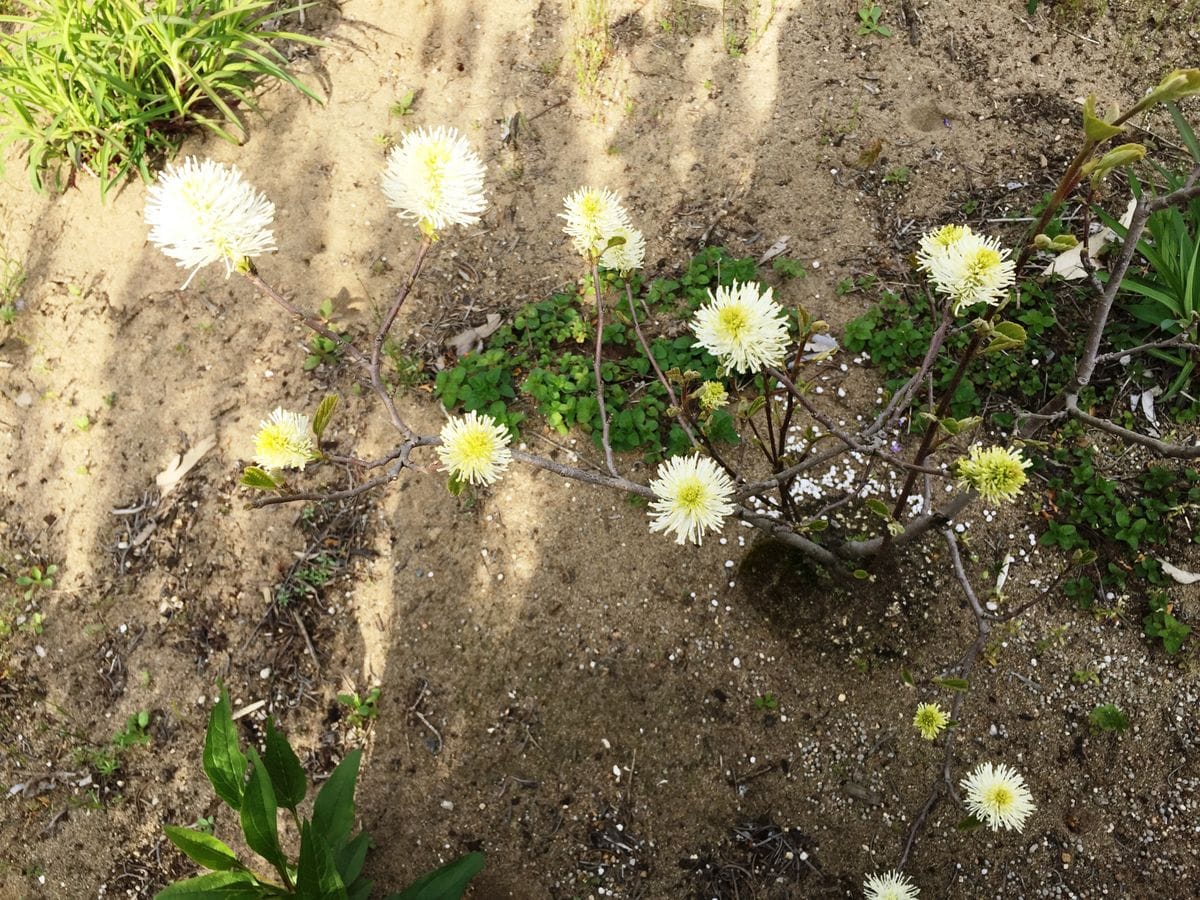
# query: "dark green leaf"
260,814
202,848
316,876
287,775
224,763
223,885
352,856
333,810
446,883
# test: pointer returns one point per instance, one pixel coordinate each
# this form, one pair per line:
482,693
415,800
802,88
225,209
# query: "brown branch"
342,342
608,453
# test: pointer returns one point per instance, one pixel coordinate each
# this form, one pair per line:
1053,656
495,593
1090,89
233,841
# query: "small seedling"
1161,623
361,709
898,175
107,760
1085,676
37,579
330,861
868,21
766,702
1108,718
404,106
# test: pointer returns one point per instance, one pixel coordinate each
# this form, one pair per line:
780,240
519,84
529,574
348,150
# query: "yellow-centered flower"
694,496
997,796
743,327
474,448
284,441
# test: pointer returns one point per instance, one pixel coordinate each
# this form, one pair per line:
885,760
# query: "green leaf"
223,885
316,876
970,823
879,508
323,414
350,859
258,478
224,762
287,775
1005,336
446,883
202,848
333,810
260,823
906,677
952,684
1094,127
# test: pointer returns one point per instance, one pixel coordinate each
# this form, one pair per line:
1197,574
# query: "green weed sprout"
330,859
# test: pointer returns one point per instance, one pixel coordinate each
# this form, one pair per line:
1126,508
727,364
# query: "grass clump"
109,86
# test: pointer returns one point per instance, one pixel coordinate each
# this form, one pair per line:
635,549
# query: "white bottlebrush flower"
694,496
594,215
474,448
972,270
997,796
435,178
890,886
284,441
937,243
744,329
203,212
627,256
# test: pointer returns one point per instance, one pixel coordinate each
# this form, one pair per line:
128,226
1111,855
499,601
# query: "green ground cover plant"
540,359
112,87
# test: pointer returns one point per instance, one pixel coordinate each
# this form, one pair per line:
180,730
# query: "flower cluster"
998,473
966,267
601,230
435,178
890,886
203,212
284,441
474,448
694,496
997,796
930,720
743,327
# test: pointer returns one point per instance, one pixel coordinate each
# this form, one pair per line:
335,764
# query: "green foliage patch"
544,358
109,86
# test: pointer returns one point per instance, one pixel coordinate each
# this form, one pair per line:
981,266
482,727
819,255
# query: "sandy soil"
586,691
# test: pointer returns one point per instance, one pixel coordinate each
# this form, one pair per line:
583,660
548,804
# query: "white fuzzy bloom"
997,796
972,269
937,243
203,212
284,441
744,329
890,886
594,216
628,256
694,496
474,448
435,178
